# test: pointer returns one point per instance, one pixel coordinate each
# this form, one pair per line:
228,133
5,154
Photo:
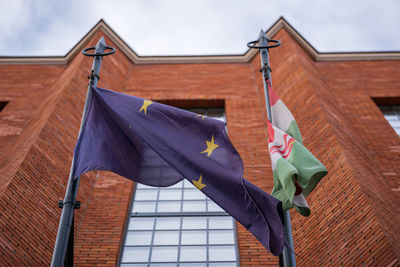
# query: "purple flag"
159,145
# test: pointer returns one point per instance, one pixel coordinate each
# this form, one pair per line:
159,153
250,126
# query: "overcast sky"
197,27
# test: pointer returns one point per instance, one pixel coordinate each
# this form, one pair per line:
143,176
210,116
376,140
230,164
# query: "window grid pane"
179,224
392,115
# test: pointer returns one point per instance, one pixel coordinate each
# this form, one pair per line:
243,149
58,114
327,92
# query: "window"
179,226
3,104
392,115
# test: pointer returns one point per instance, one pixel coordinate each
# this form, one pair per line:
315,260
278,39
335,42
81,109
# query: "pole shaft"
67,213
289,258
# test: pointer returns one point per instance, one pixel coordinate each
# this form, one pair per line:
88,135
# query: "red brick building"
335,98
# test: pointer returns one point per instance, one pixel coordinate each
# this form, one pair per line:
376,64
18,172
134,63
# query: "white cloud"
196,27
14,19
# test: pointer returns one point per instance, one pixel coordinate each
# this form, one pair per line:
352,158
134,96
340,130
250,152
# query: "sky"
197,27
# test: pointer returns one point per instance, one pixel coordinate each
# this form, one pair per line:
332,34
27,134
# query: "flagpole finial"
262,35
263,42
102,41
99,49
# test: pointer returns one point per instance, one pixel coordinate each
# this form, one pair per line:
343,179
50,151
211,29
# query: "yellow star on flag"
202,116
210,146
198,184
146,103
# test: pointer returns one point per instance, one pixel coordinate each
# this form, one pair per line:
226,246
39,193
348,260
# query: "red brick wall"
101,230
36,164
373,146
34,168
330,100
25,87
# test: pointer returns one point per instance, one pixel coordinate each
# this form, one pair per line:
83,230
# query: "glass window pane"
386,109
395,123
150,194
194,237
221,222
217,112
136,223
223,264
166,238
162,265
193,194
133,265
192,264
170,194
194,206
167,223
169,206
222,253
391,116
177,185
193,253
212,206
164,254
141,186
139,207
194,223
188,184
135,254
221,237
138,238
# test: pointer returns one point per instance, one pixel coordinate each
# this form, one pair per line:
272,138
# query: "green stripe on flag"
309,168
284,188
302,166
294,131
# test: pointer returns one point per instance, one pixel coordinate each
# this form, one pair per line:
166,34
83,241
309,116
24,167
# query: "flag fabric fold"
159,145
295,169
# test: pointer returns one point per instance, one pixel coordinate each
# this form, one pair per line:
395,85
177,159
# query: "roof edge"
328,56
281,23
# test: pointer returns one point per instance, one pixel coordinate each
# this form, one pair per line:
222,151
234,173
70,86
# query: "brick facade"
355,209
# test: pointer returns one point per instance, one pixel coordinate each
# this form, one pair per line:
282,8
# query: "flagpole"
69,204
289,259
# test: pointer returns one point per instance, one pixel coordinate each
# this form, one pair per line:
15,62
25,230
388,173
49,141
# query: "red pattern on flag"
273,98
271,132
285,148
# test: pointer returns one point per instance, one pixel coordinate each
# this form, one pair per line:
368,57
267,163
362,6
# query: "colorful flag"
282,118
296,171
159,145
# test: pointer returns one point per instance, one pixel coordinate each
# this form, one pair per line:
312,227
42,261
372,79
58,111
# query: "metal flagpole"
289,258
69,203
